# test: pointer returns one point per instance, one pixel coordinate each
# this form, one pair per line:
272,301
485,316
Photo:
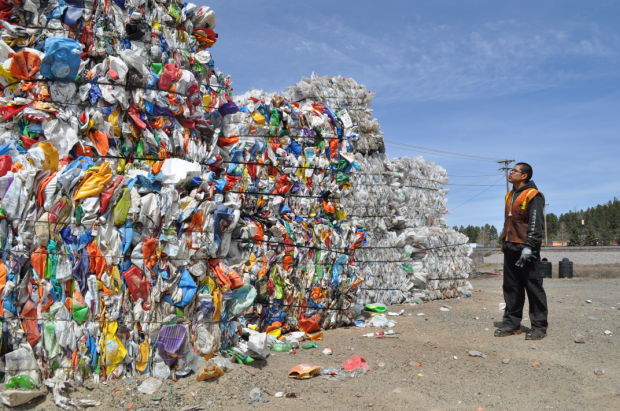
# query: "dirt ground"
426,364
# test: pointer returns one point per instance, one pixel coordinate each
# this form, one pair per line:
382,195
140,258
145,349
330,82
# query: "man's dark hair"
526,169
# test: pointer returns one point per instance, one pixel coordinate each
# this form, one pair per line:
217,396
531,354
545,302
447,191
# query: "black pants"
518,281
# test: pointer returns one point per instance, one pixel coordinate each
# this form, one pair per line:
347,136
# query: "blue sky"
534,81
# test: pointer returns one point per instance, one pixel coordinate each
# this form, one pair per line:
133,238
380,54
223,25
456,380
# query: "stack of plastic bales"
105,223
412,255
351,101
142,211
427,259
299,245
146,215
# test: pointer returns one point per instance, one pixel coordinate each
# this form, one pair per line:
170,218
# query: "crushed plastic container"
22,382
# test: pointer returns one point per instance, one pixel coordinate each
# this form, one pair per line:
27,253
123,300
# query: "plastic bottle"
22,381
333,373
330,370
310,345
281,347
161,370
356,373
255,394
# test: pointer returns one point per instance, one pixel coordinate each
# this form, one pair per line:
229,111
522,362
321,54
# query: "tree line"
599,225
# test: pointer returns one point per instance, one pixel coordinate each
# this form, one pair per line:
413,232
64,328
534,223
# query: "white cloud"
442,62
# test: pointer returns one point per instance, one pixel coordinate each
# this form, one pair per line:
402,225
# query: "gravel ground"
427,364
577,257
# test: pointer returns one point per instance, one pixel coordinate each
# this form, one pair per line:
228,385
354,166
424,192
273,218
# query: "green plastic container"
23,381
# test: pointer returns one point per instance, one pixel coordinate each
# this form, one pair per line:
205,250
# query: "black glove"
526,255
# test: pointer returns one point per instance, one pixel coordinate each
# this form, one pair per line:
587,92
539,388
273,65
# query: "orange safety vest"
516,217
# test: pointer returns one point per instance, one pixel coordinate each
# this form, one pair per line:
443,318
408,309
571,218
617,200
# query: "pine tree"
553,225
590,238
574,239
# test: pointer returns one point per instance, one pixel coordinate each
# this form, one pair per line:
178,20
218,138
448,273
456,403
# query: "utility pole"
506,170
483,233
545,214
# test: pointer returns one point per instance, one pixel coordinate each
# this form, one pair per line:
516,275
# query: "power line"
441,152
478,176
477,194
476,185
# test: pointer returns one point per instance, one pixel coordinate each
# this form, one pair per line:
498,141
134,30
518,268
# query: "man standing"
521,241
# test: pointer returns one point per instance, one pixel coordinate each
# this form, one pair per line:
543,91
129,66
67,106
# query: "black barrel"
566,268
546,267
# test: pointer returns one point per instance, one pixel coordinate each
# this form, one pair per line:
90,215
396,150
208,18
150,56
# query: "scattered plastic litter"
150,386
381,321
380,334
309,346
255,394
304,371
378,308
210,372
474,353
354,363
281,347
87,403
333,373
